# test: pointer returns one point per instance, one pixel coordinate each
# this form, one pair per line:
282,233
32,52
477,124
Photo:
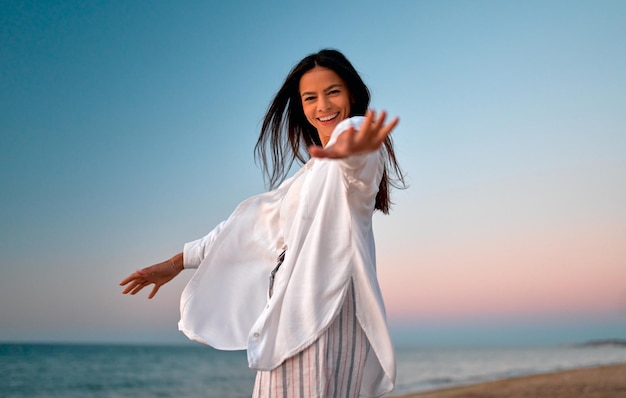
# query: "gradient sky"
127,129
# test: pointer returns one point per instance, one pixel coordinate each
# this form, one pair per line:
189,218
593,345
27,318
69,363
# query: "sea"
112,371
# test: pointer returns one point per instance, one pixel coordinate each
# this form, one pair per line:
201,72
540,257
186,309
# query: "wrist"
176,263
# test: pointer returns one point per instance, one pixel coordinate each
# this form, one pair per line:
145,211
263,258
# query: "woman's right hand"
157,274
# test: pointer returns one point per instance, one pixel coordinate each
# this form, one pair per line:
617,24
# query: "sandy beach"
597,382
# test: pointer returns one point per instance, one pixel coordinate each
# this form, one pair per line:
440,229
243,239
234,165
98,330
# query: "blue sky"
127,129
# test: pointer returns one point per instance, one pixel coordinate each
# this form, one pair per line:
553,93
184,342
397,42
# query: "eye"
334,91
308,98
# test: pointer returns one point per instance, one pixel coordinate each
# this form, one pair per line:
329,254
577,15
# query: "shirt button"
256,335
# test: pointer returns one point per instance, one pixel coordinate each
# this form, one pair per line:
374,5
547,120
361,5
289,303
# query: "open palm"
368,138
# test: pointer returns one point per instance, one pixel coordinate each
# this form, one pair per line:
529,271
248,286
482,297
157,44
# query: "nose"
322,103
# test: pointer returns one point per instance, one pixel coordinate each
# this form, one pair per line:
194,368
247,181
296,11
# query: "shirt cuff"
193,253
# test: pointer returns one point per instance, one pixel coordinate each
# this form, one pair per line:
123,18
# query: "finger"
380,121
332,151
139,287
128,289
316,151
132,290
379,132
154,291
370,134
368,122
129,278
132,286
319,152
370,117
386,130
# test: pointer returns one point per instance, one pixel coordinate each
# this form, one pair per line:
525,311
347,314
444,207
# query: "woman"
317,327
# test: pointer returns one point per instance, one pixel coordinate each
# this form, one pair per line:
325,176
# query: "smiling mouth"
328,118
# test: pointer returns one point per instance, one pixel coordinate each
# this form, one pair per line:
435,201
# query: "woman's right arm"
161,273
157,274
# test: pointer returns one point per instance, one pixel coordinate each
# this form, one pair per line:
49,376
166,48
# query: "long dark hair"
286,134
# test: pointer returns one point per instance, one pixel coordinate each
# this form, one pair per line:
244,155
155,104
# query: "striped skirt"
330,367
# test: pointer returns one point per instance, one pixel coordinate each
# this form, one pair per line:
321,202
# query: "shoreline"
604,381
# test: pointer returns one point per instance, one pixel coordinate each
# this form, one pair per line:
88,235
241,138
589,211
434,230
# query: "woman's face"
325,100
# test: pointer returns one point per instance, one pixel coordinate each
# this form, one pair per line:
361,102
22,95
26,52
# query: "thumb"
154,291
317,151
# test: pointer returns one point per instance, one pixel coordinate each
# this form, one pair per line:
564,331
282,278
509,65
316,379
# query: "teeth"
327,118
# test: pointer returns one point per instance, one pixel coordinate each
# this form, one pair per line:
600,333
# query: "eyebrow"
326,89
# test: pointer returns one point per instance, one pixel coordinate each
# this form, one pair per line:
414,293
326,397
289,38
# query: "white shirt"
323,217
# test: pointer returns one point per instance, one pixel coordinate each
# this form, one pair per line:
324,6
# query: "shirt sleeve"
365,169
194,252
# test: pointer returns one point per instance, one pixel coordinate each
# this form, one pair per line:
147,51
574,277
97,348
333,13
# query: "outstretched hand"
368,138
157,274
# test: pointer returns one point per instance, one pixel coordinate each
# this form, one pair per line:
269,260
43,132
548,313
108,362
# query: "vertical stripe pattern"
330,367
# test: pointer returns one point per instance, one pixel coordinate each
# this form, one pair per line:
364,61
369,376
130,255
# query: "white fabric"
331,367
330,242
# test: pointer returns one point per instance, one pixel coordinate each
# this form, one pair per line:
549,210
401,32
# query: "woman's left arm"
368,138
